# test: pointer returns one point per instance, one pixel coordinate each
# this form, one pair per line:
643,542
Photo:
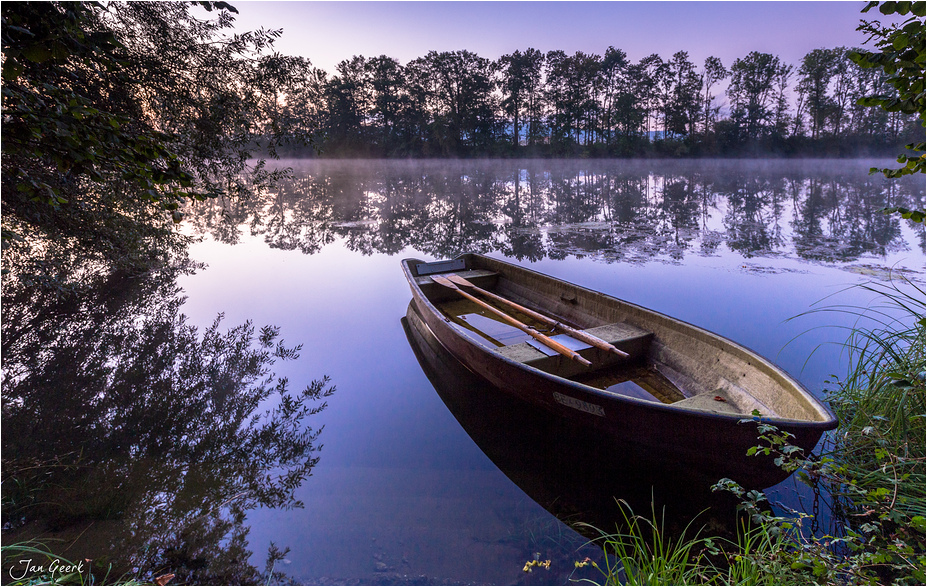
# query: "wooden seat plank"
630,339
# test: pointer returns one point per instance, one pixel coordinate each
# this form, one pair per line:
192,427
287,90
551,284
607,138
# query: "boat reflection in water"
569,470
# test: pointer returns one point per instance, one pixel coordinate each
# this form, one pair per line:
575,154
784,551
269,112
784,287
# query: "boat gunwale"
829,423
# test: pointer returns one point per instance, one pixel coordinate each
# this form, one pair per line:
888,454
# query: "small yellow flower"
585,563
536,563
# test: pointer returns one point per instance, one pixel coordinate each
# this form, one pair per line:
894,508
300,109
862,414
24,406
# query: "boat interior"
666,361
632,376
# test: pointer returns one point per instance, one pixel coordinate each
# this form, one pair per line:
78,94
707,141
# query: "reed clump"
644,554
877,458
872,467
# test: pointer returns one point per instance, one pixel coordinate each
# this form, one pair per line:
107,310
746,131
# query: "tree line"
530,103
118,116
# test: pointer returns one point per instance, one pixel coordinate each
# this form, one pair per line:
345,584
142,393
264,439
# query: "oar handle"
547,341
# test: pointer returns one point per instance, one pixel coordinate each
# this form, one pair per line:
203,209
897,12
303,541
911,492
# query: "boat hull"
542,453
710,445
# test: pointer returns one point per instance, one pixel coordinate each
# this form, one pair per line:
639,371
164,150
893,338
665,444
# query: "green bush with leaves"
901,56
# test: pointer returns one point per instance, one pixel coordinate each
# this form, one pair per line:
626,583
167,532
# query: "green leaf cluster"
907,214
901,55
65,118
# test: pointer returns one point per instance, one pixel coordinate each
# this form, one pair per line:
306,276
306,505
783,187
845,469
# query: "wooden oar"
577,334
546,341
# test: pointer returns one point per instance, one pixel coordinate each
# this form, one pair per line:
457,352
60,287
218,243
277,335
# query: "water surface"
417,484
736,247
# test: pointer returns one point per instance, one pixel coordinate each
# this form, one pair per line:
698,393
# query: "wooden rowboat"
672,394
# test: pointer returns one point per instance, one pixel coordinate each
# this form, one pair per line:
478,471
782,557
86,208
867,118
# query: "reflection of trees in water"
840,220
520,237
616,210
754,209
149,439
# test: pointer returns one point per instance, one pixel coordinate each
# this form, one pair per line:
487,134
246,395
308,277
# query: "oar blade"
443,281
459,280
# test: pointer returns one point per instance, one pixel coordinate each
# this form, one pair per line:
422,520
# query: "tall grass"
878,453
881,403
885,383
873,467
642,553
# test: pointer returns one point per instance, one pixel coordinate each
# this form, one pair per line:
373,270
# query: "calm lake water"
416,482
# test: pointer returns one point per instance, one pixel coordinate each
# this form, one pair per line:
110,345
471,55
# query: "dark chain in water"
816,505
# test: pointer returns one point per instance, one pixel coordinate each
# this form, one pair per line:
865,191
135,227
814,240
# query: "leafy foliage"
117,116
912,215
53,56
901,56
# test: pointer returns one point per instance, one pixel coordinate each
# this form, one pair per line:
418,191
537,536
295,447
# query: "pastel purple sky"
328,32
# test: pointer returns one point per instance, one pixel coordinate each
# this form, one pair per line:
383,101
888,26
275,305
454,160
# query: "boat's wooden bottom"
640,381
